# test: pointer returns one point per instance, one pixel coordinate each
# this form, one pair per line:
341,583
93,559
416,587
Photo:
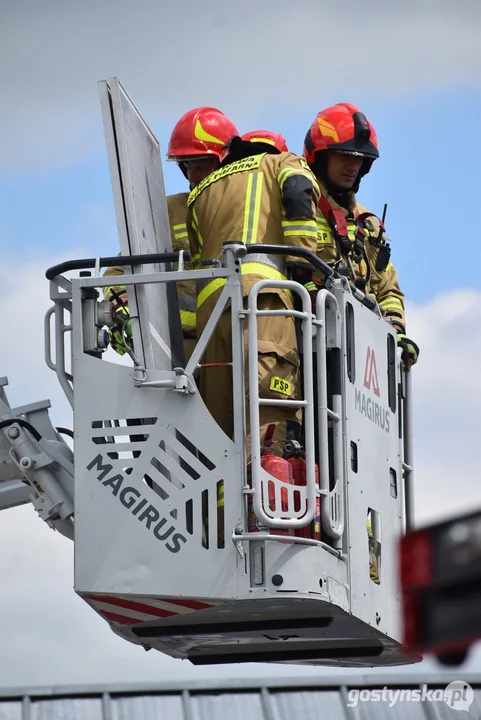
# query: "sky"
413,69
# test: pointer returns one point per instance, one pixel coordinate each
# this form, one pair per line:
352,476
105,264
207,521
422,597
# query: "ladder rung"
334,416
286,313
291,403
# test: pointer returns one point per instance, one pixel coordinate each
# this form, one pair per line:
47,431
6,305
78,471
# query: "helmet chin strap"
184,172
340,195
182,167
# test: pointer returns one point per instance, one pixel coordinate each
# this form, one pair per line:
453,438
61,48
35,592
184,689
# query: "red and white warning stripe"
134,610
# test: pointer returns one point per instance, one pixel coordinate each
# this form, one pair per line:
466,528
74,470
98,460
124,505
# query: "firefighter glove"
313,287
121,332
410,350
121,341
119,302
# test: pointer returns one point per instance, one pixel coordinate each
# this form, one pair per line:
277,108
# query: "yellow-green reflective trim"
188,318
299,227
287,172
306,231
248,268
118,289
391,302
195,226
250,163
252,207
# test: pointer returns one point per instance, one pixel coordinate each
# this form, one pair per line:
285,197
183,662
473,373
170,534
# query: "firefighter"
196,146
374,548
340,148
261,194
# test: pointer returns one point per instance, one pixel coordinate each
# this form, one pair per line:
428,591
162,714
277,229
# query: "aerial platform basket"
154,555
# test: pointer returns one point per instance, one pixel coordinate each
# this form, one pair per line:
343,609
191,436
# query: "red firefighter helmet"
201,131
265,136
342,128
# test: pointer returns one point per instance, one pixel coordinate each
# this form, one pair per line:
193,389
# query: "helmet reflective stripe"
327,129
200,132
267,137
262,140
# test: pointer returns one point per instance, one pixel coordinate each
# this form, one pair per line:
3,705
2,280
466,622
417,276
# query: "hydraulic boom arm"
36,464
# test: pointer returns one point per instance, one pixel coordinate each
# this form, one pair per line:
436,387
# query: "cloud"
447,398
49,636
244,59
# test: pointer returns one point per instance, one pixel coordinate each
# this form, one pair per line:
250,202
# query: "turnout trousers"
278,373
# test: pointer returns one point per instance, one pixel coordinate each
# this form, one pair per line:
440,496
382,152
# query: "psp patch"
280,385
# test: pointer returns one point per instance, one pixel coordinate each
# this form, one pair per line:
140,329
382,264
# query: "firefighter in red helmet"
260,194
340,148
196,146
196,143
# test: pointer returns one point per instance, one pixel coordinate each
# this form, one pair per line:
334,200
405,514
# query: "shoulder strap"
334,216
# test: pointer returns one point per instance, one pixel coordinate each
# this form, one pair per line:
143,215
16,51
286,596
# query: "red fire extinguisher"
278,468
298,464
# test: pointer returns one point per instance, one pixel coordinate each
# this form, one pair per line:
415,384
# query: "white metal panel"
308,704
380,710
373,427
233,706
143,224
166,707
282,698
117,548
66,709
11,710
308,570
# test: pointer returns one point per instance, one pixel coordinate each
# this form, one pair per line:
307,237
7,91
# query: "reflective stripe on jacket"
265,198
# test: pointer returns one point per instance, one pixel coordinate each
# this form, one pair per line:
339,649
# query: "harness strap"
362,217
334,216
337,221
